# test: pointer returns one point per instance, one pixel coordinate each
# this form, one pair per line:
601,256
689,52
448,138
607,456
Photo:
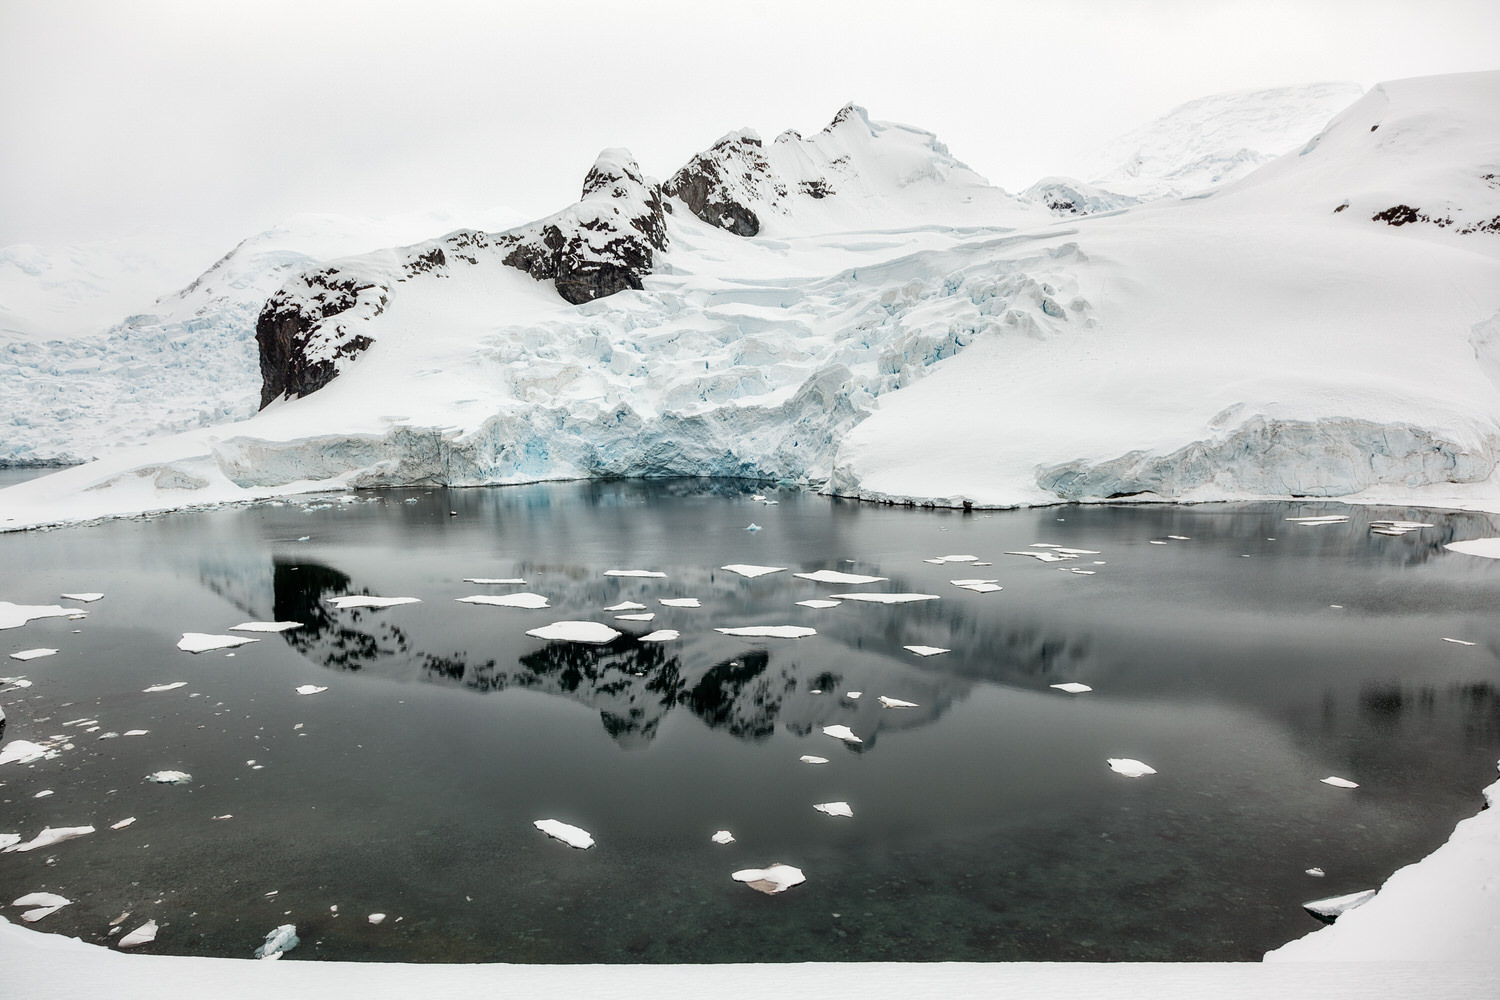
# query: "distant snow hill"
860,312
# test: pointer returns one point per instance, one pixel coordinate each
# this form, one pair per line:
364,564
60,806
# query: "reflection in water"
338,640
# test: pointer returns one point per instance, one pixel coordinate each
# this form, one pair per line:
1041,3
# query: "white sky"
216,120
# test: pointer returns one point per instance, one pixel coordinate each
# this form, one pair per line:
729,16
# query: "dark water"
986,825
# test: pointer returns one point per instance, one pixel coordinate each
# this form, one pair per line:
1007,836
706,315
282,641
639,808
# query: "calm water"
986,825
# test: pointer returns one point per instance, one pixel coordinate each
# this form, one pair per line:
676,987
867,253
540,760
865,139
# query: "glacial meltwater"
1241,655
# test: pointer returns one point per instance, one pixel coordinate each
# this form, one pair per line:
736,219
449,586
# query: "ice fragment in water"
367,601
885,598
170,777
282,939
590,632
144,934
643,573
1323,519
1130,767
808,758
980,586
818,605
16,615
1329,909
644,616
959,559
853,695
33,654
24,752
201,642
9,840
1045,556
927,650
747,570
155,688
43,794
770,880
1316,872
841,733
311,689
45,903
1456,642
752,526
122,824
681,602
493,580
1073,687
134,732
626,606
770,631
835,808
50,836
723,837
843,579
565,832
265,626
1338,782
89,598
896,702
661,635
379,918
523,600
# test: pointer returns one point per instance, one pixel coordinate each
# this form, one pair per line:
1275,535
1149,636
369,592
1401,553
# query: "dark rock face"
288,365
718,184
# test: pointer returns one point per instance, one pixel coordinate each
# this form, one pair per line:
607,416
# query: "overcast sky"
219,119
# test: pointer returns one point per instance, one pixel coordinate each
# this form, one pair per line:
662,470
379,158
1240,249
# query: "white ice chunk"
644,616
853,695
283,938
745,569
808,758
1315,872
896,702
90,598
835,808
144,934
1323,519
1082,552
1338,782
1130,767
885,598
567,833
45,903
927,650
264,626
770,880
24,752
170,777
379,918
156,688
493,580
50,836
722,837
591,632
979,586
661,635
1457,642
770,631
626,606
844,579
752,526
643,573
16,615
366,601
1403,525
33,654
523,600
958,559
1333,906
202,642
134,732
841,733
1044,556
122,824
681,602
1073,687
1486,548
819,605
310,689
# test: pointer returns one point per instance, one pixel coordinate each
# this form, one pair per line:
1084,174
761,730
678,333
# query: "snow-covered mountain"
1323,327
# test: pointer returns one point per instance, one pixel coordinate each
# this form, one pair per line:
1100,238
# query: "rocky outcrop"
720,184
1066,196
300,350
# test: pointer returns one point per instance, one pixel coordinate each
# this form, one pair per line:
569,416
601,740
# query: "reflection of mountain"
344,641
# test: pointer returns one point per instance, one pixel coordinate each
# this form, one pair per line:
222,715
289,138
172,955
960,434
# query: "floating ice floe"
885,598
722,837
1330,909
1315,872
957,559
896,702
1338,782
818,604
596,633
157,688
566,832
134,732
808,758
843,579
282,939
681,602
747,570
1043,556
33,654
835,809
1321,519
9,839
1456,642
841,733
310,689
367,601
144,934
853,695
45,903
1180,538
16,615
45,793
493,580
661,635
90,598
752,526
770,880
643,573
1156,541
16,682
770,631
1072,687
1130,767
1485,548
626,606
170,777
50,836
378,918
122,824
202,642
978,586
529,601
25,751
644,616
1076,570
264,626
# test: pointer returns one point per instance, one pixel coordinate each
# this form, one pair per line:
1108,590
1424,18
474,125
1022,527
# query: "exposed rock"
299,352
1066,196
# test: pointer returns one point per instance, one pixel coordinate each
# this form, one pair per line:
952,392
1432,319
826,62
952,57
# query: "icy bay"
1241,656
